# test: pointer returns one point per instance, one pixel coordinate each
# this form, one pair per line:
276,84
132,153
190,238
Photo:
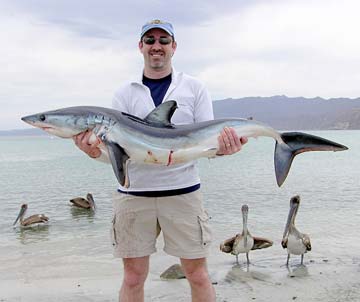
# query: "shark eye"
42,117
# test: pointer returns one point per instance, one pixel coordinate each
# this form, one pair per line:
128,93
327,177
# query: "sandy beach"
321,279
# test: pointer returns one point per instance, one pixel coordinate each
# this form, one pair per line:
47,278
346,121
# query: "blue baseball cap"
165,26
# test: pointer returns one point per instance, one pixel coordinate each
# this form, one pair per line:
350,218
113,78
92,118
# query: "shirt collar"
174,77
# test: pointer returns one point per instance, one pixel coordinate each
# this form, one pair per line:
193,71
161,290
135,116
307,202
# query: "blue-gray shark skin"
155,140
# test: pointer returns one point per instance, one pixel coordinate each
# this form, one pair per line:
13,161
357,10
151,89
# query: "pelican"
244,242
32,220
87,203
296,243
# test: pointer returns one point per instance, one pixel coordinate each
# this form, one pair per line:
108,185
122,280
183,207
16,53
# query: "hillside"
286,113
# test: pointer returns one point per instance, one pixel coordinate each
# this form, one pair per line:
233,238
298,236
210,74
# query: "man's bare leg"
135,273
196,273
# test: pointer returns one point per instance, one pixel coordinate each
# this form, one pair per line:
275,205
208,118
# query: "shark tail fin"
295,143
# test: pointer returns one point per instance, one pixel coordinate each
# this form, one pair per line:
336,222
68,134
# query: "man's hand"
82,141
229,142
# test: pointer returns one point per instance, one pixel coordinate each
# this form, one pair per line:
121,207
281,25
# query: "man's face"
157,56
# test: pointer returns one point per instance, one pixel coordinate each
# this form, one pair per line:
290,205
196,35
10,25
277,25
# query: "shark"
156,140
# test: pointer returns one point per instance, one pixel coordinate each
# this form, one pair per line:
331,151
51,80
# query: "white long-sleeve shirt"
194,105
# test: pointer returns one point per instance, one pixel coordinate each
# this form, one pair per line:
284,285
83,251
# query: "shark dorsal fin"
161,115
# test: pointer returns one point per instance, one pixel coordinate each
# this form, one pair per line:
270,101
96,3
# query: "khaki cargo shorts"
137,222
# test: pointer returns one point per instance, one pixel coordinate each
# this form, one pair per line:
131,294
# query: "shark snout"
28,119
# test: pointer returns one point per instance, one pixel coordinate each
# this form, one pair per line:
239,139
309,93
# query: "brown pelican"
32,220
244,242
87,203
296,243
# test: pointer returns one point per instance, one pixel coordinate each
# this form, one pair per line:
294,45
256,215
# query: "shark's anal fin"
119,159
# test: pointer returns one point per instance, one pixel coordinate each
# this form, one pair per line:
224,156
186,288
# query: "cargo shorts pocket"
113,231
206,234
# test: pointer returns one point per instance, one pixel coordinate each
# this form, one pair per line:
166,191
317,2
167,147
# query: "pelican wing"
261,243
306,242
38,218
80,202
227,245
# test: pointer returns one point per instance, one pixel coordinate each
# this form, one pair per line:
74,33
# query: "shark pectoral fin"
119,162
295,143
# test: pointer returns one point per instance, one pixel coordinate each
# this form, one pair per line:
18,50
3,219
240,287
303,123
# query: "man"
162,198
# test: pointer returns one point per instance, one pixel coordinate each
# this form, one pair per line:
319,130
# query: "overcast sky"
64,53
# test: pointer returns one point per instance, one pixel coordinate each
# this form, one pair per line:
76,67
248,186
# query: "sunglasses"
162,40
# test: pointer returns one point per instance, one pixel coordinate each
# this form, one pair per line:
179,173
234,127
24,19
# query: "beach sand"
321,279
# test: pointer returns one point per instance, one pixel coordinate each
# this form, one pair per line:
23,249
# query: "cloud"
296,48
45,66
58,54
123,15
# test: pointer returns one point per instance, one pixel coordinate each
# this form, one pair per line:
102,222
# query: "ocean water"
46,172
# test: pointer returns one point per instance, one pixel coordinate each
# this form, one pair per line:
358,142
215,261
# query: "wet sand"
268,279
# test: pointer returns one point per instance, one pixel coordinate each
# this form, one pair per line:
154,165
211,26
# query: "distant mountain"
299,113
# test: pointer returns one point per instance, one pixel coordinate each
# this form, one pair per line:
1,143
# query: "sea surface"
46,172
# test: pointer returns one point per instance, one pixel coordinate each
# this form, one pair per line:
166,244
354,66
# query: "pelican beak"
294,205
91,201
21,213
245,211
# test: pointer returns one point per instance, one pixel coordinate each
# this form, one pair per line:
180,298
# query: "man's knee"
196,271
134,279
198,277
135,272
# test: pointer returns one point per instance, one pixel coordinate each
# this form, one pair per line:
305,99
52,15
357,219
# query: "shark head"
64,123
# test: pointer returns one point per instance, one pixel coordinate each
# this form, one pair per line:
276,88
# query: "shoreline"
320,280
